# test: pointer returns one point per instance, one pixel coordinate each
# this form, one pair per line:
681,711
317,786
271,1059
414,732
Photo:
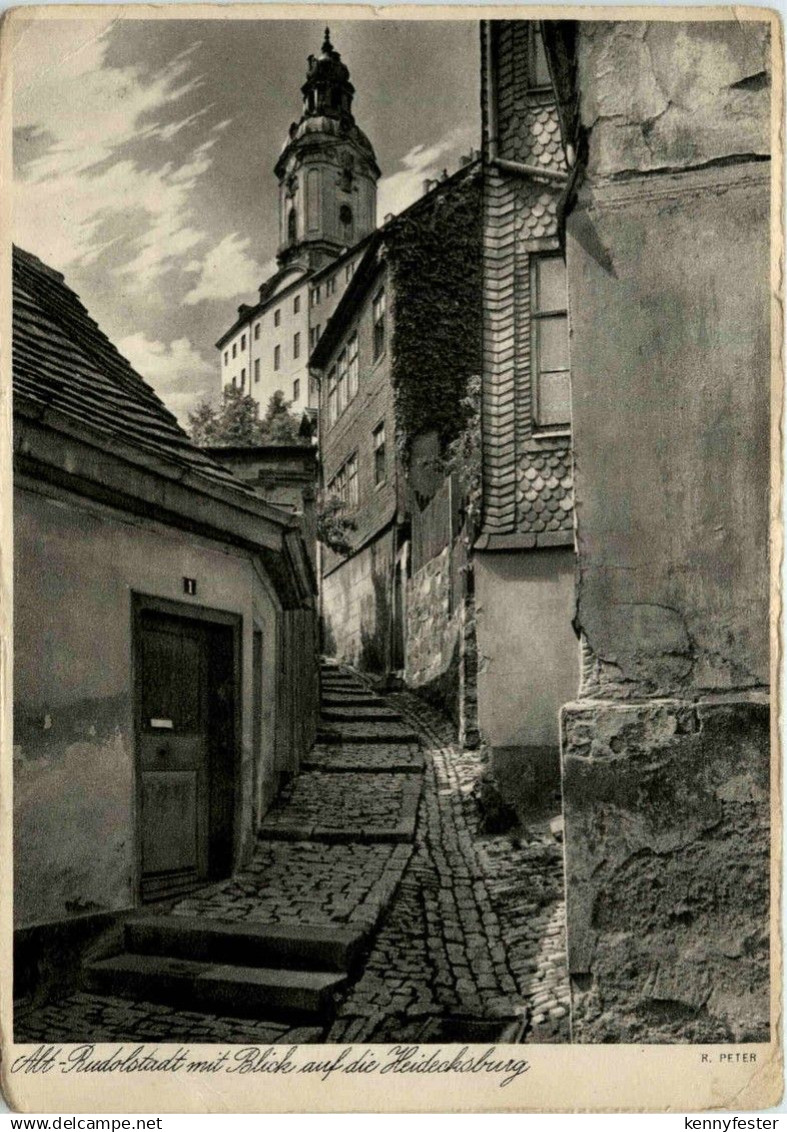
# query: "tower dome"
327,170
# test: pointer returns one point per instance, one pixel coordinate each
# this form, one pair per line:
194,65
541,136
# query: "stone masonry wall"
666,759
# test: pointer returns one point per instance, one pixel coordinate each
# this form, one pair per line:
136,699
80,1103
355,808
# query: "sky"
144,153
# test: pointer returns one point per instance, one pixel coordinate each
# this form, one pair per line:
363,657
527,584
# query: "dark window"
345,482
234,349
292,226
276,317
332,414
257,330
539,71
256,369
296,345
243,341
378,317
243,379
296,304
346,221
277,357
378,444
549,338
352,367
296,389
226,357
341,384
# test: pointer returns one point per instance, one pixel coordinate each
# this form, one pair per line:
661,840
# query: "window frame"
538,316
296,344
296,389
534,36
380,454
277,358
353,366
256,370
277,317
379,311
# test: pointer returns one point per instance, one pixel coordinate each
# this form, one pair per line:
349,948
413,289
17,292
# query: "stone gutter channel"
365,915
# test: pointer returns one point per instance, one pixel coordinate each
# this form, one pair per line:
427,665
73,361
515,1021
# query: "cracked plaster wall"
666,758
690,93
74,769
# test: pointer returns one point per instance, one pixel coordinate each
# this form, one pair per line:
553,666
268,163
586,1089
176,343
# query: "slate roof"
63,361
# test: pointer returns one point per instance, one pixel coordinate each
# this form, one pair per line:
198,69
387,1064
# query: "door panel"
173,755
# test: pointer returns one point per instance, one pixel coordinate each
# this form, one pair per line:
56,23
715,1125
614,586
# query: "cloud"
83,193
399,189
176,370
227,271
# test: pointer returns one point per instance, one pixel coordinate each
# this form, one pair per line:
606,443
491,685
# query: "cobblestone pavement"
103,1018
469,947
475,930
349,804
301,882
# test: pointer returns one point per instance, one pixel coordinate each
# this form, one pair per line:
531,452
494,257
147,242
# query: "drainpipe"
519,168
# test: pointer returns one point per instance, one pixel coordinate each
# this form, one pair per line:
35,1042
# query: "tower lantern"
327,171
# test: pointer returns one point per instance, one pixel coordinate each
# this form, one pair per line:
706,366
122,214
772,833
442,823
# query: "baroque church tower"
327,171
327,175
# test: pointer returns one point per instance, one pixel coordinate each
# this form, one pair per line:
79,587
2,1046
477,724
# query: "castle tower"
327,171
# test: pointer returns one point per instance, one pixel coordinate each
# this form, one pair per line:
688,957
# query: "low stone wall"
433,636
667,856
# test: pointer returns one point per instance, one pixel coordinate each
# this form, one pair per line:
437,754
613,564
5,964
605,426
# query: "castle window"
296,345
277,317
226,357
277,357
378,318
256,331
341,384
378,443
296,304
296,389
243,341
538,69
549,338
292,226
332,414
256,369
243,379
345,482
346,221
315,296
234,349
352,366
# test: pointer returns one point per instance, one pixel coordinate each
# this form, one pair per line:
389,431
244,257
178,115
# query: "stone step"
367,731
305,947
221,988
358,713
351,699
395,758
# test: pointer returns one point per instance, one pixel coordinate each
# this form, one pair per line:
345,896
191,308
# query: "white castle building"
327,174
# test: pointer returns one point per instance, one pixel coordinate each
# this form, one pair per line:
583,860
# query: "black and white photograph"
394,409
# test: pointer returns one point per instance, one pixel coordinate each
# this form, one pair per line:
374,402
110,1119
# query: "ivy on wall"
435,257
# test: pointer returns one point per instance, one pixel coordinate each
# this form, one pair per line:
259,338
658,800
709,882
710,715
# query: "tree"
281,426
237,421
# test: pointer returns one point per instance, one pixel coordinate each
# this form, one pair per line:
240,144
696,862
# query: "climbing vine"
435,256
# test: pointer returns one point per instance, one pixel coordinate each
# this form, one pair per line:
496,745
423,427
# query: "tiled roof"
63,361
544,496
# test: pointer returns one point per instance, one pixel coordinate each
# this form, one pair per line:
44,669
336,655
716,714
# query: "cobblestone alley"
375,850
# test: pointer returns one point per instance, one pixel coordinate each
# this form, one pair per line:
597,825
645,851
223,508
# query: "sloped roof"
63,361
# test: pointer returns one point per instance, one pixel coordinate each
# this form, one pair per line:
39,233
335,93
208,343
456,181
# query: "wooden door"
173,732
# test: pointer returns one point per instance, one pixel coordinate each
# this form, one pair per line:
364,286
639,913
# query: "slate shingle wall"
520,217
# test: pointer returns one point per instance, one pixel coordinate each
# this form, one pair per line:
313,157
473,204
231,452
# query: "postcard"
390,599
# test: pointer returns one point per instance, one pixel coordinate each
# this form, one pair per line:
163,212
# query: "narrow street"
374,910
